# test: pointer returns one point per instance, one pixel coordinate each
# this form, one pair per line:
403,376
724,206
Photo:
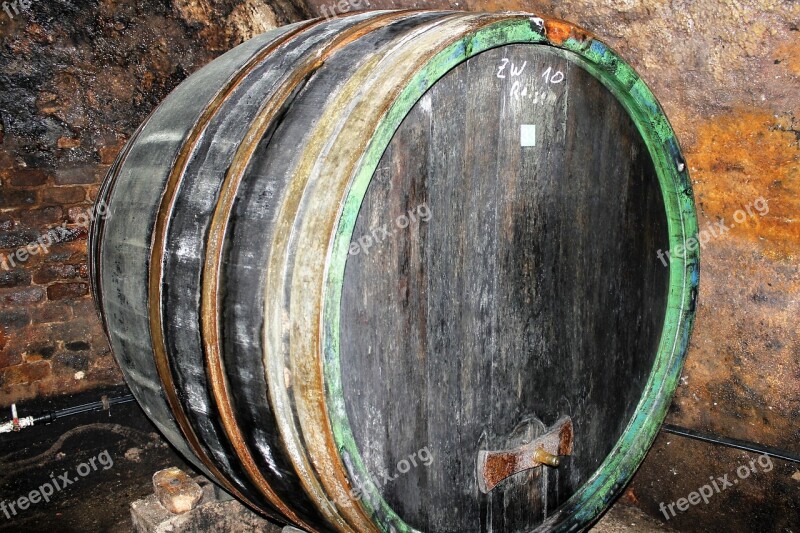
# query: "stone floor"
226,514
109,458
624,517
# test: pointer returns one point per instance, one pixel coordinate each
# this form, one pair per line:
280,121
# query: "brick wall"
76,79
51,338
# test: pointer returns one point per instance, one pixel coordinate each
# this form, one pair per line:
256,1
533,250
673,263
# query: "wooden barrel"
405,270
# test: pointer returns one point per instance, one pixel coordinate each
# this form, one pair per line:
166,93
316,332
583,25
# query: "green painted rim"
637,99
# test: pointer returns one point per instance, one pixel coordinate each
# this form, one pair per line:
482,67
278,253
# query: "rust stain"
495,466
742,375
565,436
740,157
498,467
788,55
558,31
629,496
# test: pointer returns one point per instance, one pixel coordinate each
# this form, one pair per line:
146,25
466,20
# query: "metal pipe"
16,423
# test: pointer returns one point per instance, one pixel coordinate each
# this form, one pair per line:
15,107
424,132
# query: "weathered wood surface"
521,285
124,248
186,253
532,289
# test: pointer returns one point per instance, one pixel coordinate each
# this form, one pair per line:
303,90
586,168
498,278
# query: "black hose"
748,446
732,443
101,405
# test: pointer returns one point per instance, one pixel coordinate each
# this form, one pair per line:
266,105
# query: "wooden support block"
212,514
176,491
